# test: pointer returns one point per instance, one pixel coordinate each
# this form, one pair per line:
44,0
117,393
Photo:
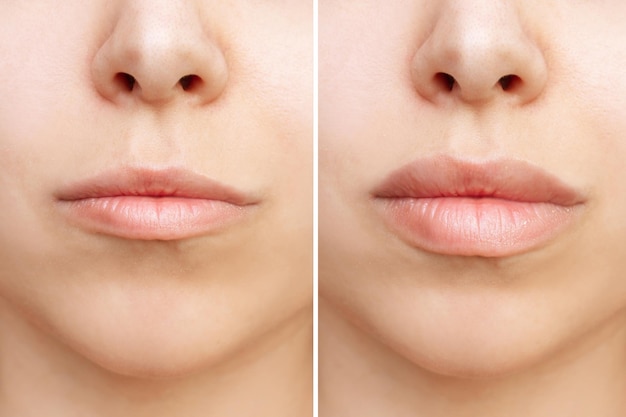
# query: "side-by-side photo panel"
471,208
157,208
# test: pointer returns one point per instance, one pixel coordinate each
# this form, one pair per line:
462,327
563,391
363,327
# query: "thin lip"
505,179
157,183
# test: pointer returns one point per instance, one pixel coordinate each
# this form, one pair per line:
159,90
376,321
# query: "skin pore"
103,325
405,331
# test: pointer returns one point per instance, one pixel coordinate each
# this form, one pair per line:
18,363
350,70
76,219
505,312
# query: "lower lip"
487,227
152,218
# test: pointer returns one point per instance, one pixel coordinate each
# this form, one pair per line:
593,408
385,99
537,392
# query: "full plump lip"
153,204
490,209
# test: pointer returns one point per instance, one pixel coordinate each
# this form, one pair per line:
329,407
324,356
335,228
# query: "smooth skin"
407,332
98,325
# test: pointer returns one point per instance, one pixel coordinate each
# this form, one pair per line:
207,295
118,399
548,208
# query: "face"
471,176
156,167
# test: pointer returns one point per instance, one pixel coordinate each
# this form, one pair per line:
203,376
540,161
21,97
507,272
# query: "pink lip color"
146,204
492,209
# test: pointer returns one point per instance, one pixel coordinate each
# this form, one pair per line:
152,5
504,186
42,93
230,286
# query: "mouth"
493,209
146,204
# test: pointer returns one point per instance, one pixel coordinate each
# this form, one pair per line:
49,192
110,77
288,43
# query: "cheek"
273,75
43,90
597,103
277,69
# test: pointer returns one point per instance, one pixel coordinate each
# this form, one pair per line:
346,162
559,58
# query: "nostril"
188,82
508,81
446,80
126,80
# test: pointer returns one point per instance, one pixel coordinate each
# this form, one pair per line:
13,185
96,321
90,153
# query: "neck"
40,376
588,378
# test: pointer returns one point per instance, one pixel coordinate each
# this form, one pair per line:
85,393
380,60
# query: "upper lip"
168,182
506,179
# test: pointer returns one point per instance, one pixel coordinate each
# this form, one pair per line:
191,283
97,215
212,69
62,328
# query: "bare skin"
272,377
361,377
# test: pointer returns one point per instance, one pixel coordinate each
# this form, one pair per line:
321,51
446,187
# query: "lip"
490,209
148,204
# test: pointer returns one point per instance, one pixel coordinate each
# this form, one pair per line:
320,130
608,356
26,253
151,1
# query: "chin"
477,358
466,335
147,348
141,358
149,332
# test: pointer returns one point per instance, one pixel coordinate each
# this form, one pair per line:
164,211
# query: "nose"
478,51
159,50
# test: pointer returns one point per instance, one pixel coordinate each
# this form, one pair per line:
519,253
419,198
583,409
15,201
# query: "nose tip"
155,55
476,54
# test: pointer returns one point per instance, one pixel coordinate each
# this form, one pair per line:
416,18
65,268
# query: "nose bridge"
157,49
467,33
478,38
156,46
151,33
477,49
